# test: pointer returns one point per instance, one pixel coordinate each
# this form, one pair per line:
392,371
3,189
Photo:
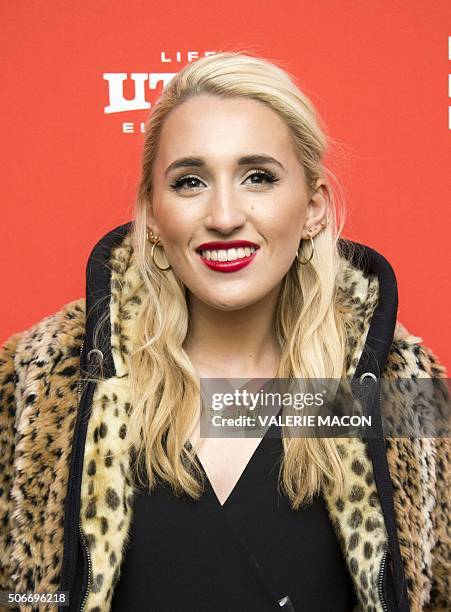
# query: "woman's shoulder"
410,357
45,342
415,390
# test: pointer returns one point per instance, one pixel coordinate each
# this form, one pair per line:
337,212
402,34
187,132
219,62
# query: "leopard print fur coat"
42,467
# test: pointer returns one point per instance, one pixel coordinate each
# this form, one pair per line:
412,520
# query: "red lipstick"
227,266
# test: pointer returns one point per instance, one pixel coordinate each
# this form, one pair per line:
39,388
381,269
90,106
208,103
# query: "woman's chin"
228,303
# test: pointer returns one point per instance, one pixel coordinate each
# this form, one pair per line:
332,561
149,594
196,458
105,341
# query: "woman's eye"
259,177
189,181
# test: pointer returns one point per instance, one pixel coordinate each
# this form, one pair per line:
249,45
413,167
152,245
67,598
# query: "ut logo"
118,103
142,80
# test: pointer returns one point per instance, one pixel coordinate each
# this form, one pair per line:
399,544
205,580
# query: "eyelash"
269,176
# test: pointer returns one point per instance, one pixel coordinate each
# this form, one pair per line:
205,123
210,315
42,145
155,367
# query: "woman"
231,269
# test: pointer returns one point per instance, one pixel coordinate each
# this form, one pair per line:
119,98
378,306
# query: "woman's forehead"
222,130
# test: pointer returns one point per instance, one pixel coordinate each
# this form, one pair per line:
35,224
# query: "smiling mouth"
223,255
227,260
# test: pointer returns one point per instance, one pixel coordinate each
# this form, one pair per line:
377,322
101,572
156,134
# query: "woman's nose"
225,213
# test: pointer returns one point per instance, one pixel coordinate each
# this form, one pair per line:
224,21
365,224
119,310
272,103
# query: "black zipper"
383,500
386,551
82,535
80,377
381,581
88,559
73,533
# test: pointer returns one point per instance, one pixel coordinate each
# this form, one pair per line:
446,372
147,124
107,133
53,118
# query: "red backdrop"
377,72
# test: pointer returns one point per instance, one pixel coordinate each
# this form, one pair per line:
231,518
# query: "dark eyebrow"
198,162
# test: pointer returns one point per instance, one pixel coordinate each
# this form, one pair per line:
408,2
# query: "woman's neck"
233,344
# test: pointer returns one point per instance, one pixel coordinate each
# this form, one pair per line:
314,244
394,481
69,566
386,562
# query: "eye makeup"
268,176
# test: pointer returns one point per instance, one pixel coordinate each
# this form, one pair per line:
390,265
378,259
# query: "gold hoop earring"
151,237
311,254
152,254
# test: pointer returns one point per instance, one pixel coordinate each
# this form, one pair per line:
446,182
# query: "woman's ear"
317,209
150,220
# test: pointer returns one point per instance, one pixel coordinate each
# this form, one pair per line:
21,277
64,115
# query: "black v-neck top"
196,555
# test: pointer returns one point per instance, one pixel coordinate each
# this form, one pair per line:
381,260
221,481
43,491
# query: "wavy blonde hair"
311,333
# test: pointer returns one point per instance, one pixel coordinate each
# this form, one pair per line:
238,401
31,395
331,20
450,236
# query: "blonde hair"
310,331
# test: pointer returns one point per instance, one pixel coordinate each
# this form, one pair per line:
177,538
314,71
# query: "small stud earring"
151,237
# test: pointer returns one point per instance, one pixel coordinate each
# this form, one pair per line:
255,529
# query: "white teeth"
227,254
